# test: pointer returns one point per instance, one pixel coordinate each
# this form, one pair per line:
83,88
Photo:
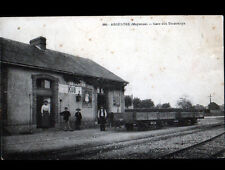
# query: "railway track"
201,149
91,150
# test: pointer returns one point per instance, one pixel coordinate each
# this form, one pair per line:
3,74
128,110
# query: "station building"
31,73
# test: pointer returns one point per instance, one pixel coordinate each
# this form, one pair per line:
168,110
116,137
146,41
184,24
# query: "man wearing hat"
66,115
102,114
78,117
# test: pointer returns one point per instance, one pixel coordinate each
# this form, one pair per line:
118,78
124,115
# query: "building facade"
31,73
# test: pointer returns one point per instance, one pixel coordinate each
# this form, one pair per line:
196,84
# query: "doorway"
45,87
101,101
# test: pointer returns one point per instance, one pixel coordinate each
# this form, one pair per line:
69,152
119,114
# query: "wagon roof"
15,52
162,110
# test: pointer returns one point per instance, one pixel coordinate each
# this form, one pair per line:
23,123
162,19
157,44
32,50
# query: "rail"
173,154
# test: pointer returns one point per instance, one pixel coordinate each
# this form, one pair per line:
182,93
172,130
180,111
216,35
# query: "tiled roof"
15,52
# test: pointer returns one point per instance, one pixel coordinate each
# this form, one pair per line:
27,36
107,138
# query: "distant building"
30,74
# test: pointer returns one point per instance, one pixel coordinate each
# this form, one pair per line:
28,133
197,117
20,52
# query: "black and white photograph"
112,87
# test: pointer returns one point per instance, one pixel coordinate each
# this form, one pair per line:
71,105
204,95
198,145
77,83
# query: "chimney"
39,42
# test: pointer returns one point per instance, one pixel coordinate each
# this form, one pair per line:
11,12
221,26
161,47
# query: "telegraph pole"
210,99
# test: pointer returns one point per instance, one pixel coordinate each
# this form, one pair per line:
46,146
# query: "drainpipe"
30,121
60,107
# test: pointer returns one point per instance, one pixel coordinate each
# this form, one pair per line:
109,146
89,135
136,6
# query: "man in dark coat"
66,115
78,119
102,114
110,118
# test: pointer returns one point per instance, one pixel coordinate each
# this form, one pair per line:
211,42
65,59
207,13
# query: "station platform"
51,140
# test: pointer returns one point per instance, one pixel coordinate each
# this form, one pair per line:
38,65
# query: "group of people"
45,117
45,113
66,115
102,117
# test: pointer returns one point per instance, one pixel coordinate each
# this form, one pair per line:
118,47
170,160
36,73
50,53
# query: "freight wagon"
156,118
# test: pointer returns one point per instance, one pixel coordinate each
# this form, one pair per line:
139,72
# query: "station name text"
142,24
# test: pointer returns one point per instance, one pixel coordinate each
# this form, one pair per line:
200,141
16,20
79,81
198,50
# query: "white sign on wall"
69,89
72,89
63,88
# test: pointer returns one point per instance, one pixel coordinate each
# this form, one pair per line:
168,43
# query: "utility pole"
210,99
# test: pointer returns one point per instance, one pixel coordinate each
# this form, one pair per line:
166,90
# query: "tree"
199,107
128,101
166,105
213,106
184,103
136,102
158,106
147,103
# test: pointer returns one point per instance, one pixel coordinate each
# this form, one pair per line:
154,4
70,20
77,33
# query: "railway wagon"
146,118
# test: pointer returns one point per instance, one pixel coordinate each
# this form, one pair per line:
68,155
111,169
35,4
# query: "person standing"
78,117
102,114
66,115
110,118
45,115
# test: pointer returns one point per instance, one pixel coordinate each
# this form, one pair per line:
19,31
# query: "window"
87,97
116,98
100,91
43,83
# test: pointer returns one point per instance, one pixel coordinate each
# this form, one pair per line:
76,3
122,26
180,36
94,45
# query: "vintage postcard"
112,87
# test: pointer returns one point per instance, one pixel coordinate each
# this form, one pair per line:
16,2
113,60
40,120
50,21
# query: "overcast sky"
161,62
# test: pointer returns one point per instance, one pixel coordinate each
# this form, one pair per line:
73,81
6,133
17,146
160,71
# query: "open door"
101,100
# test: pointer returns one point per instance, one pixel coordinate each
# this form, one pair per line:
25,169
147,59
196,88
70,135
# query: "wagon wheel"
193,121
142,126
159,124
129,127
170,123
